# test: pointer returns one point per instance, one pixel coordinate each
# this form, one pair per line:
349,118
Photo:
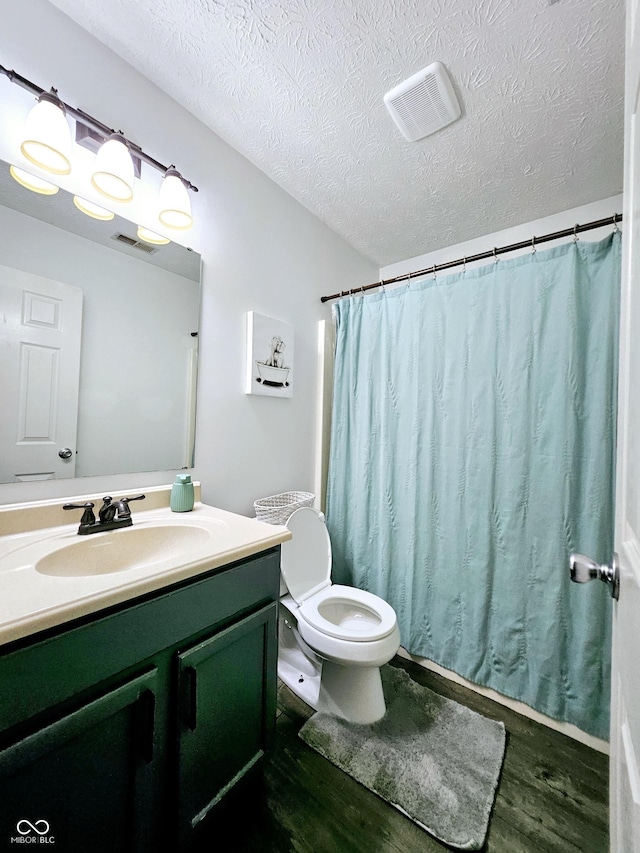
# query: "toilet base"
352,692
296,671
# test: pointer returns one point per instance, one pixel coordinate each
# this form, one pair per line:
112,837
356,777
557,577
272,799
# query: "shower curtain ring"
434,272
495,257
616,230
533,245
464,266
575,232
381,285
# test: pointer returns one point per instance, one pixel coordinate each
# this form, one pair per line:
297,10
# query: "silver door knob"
65,453
583,569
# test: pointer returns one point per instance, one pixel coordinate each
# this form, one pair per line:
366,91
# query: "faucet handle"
87,517
124,510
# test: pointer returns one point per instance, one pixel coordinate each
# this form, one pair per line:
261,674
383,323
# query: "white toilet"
332,639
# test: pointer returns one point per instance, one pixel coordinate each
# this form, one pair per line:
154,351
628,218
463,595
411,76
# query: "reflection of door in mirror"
39,376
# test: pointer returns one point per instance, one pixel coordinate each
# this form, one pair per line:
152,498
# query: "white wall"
518,233
261,251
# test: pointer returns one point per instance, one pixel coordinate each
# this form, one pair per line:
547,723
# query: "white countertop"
31,600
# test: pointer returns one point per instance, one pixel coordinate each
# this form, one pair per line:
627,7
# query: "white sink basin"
49,575
122,550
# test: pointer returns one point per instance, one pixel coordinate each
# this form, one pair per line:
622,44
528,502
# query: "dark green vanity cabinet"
89,774
122,733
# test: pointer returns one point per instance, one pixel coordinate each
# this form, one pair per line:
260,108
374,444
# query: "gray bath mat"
433,759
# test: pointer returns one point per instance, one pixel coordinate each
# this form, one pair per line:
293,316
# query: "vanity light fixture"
92,209
149,236
47,137
33,182
113,170
47,143
173,201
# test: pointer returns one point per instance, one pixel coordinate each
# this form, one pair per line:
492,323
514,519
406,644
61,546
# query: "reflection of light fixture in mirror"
47,137
113,170
151,236
33,182
92,209
173,202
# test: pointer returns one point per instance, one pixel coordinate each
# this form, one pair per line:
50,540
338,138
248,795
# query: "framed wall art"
269,356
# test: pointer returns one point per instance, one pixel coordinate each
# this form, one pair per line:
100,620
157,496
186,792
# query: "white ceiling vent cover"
424,103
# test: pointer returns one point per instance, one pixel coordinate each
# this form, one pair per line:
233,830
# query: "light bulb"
151,236
173,202
33,182
92,209
47,137
113,170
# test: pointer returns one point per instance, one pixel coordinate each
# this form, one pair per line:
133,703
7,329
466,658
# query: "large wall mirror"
98,343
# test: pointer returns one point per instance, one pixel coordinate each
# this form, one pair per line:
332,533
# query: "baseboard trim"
565,728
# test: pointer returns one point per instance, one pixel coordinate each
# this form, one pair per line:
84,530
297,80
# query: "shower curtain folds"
472,450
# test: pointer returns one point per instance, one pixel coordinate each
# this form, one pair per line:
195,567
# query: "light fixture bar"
92,123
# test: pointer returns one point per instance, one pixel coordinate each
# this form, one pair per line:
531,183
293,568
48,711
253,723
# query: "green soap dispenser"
182,496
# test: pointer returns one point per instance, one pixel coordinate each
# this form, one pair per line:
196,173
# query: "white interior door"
40,337
625,687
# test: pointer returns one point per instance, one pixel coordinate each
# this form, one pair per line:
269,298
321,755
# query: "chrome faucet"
111,515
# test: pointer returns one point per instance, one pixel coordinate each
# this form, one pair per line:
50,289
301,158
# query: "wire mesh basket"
276,509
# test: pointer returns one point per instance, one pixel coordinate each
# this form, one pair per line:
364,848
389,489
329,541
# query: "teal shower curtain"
472,450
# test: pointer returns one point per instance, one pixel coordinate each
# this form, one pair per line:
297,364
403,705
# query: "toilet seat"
348,613
343,612
305,560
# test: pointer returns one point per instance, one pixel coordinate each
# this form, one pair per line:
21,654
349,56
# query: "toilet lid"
305,560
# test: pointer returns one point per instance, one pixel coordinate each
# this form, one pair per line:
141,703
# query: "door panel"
39,375
227,692
87,777
625,692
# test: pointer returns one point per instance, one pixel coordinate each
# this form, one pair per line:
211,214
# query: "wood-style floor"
552,796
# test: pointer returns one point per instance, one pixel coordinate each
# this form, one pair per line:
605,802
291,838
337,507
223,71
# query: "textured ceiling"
297,86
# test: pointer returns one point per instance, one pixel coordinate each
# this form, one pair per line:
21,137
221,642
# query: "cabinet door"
84,780
228,696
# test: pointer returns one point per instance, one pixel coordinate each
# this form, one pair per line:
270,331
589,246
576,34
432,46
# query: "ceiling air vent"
135,244
424,103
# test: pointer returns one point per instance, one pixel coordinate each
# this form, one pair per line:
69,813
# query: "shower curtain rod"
492,253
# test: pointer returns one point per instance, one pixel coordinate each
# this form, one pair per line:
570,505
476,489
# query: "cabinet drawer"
57,667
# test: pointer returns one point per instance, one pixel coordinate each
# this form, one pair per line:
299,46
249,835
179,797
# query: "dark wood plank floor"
552,796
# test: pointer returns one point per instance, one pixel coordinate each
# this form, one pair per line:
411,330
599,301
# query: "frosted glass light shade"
174,203
47,136
92,209
33,182
151,237
113,170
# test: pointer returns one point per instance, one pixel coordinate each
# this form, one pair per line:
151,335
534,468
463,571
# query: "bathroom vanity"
131,708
